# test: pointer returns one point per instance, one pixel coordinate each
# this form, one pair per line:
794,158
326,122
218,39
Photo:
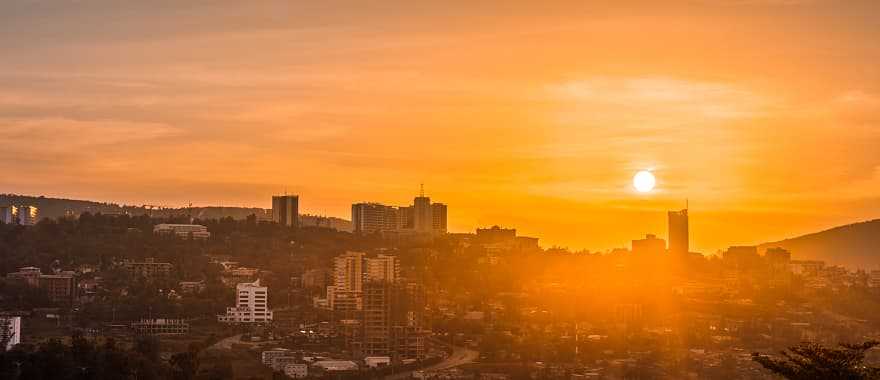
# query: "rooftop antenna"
686,205
422,190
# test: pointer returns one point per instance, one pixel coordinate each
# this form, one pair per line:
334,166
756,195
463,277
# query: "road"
460,356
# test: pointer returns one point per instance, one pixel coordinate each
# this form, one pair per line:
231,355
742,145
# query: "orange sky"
765,114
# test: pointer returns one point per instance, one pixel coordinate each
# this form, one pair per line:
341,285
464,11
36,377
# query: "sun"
644,181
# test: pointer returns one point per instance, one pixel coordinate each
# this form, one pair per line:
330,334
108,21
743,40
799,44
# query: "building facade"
185,231
285,210
368,218
10,330
678,232
251,305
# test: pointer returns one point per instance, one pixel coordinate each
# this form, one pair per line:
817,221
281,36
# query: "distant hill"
853,245
58,207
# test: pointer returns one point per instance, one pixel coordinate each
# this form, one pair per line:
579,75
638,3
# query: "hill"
59,207
854,245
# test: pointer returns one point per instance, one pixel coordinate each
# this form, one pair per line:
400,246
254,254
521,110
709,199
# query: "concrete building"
28,215
296,371
348,272
28,276
160,327
423,216
369,218
10,329
185,231
438,217
382,268
742,257
251,305
649,246
8,214
149,268
345,294
269,355
285,210
60,287
678,232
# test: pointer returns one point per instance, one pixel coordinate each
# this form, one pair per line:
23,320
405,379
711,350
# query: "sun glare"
644,181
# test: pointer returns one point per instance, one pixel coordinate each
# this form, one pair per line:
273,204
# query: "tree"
814,361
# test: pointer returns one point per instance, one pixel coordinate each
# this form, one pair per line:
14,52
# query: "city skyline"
556,108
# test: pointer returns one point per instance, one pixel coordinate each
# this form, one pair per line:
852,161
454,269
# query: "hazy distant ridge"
854,245
57,207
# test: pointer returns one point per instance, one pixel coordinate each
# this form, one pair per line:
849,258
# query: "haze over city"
763,114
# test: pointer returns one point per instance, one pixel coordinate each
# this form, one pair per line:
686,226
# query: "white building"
251,305
197,231
296,371
10,328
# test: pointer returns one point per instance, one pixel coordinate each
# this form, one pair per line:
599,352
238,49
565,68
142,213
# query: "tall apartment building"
391,321
23,215
8,214
251,305
385,268
438,217
28,215
348,280
678,232
422,217
368,218
285,210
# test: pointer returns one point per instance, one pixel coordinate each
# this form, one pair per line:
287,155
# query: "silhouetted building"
650,245
495,234
285,210
368,218
438,217
423,219
678,232
742,257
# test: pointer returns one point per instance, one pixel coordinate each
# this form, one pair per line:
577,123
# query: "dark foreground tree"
814,361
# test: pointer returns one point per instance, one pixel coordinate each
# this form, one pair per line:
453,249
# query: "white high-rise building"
348,272
10,328
251,305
